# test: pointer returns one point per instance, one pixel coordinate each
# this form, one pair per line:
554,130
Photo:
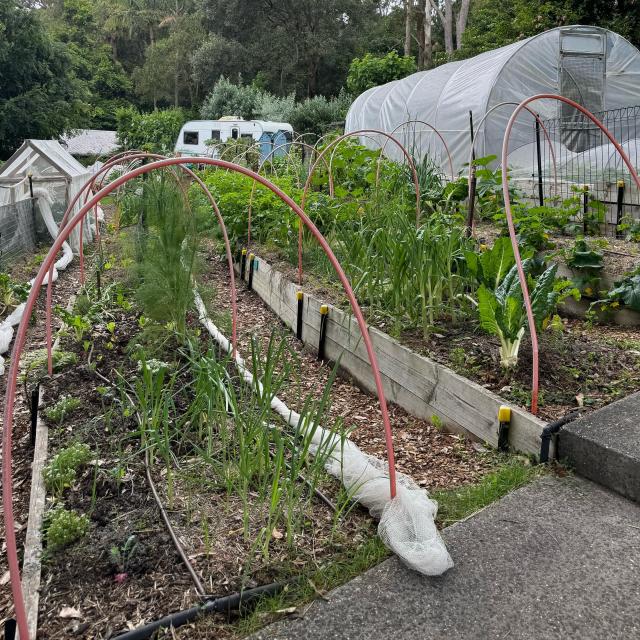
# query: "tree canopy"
68,64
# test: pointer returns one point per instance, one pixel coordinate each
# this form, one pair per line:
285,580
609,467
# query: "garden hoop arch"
426,124
304,145
537,119
7,488
512,233
141,155
321,155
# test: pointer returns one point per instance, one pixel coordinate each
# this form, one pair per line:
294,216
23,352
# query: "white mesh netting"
407,522
6,327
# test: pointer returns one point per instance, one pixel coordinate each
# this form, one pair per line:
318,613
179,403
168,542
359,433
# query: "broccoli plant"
502,311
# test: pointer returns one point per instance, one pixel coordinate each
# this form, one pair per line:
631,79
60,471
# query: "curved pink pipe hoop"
321,155
538,120
7,435
304,145
140,155
512,232
426,124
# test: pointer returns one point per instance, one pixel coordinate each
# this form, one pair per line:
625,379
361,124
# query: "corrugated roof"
90,142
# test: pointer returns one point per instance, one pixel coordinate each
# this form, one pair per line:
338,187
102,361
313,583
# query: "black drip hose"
551,429
228,603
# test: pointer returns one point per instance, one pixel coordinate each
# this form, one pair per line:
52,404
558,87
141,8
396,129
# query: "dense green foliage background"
68,64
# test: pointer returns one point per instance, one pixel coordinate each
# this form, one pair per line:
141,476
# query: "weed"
457,504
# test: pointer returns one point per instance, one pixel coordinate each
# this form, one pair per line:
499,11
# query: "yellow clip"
620,183
324,309
244,252
299,295
504,414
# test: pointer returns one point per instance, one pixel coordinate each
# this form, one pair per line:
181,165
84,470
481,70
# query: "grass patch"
459,503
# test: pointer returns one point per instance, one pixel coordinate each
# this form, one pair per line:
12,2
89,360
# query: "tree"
370,71
167,74
218,56
227,99
444,10
310,42
40,96
156,132
73,23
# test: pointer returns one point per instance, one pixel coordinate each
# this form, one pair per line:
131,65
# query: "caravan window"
246,136
190,137
215,135
234,133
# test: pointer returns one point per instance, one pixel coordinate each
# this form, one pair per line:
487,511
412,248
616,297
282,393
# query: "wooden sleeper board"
416,383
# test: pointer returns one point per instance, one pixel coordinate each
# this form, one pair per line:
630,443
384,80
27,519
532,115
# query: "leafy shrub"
12,293
61,409
65,527
371,70
588,263
229,99
625,291
60,473
155,132
319,114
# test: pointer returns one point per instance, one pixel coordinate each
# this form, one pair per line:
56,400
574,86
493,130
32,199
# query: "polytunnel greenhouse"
593,66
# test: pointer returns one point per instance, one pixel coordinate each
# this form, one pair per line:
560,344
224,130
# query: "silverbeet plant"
502,312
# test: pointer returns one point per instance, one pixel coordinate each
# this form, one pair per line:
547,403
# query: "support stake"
252,260
472,180
324,313
619,213
539,157
243,264
300,298
585,208
504,418
35,401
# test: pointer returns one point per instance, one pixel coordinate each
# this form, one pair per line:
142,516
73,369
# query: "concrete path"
559,558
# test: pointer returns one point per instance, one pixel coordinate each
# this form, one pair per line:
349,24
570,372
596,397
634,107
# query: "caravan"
205,137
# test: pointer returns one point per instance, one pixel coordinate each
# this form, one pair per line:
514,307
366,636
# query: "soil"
84,592
66,285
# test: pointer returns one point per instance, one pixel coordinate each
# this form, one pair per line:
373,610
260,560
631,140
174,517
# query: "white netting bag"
407,522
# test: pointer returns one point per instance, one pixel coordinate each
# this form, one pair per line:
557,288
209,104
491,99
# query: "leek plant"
412,277
243,449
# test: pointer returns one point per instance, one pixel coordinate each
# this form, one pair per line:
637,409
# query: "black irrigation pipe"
176,542
551,429
228,603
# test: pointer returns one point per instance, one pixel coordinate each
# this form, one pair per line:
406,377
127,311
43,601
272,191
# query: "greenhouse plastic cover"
444,96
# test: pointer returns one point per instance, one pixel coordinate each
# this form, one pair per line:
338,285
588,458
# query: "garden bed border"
419,385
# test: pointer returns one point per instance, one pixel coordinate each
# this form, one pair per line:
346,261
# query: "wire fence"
18,234
586,161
